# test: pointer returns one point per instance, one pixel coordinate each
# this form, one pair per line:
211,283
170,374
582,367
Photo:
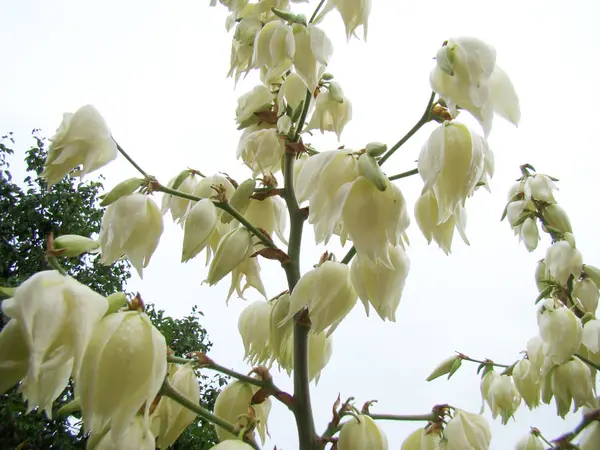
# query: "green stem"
431,417
587,361
305,108
128,158
225,206
406,174
422,121
317,9
169,391
349,256
56,265
488,362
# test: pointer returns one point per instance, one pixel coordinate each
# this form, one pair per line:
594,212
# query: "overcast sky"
156,71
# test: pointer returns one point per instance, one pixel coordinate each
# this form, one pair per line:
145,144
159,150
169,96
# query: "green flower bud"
557,218
542,276
327,77
336,93
122,189
443,368
376,148
371,171
240,199
74,245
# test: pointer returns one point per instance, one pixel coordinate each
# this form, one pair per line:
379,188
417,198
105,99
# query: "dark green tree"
29,212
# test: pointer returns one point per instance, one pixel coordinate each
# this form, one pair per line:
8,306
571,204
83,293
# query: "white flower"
274,48
233,248
55,316
467,431
451,163
199,224
540,187
254,326
503,397
560,329
379,285
591,335
590,437
562,261
530,442
313,50
527,379
258,99
242,47
269,214
131,226
173,418
328,294
426,215
233,401
82,139
536,351
515,210
360,433
354,14
586,292
136,435
332,112
249,270
205,187
177,205
422,439
530,234
124,366
261,149
292,93
572,382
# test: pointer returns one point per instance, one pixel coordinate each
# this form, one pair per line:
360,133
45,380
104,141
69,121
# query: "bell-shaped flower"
136,435
380,285
423,439
320,348
254,327
55,316
207,187
563,261
516,210
74,245
332,111
503,397
124,366
572,382
292,93
557,218
451,164
591,335
313,50
426,215
530,234
234,401
281,337
177,205
172,417
249,271
540,187
560,329
536,351
466,430
586,293
361,432
242,47
82,139
199,225
527,379
327,293
468,59
261,149
233,249
274,48
269,214
258,99
354,14
131,226
530,442
589,439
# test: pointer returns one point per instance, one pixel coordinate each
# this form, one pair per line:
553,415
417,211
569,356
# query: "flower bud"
375,148
562,261
467,431
254,327
136,435
234,401
199,224
586,292
380,285
233,248
542,276
131,226
591,335
530,234
527,379
530,442
540,187
116,301
122,189
422,439
370,169
173,418
124,366
560,329
74,245
360,433
557,218
326,306
443,368
240,199
572,382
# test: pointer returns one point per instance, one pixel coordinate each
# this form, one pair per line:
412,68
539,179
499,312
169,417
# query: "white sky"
156,71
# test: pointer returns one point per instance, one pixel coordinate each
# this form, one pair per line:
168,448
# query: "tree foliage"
30,211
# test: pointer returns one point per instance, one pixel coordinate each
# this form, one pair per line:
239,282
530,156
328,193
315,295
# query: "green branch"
168,390
431,417
406,174
56,265
316,11
487,362
132,162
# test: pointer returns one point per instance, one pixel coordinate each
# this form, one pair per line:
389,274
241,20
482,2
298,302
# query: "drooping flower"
242,46
527,379
136,435
572,382
466,430
313,50
233,249
274,48
199,225
354,14
423,439
530,442
586,293
254,327
332,111
82,139
269,214
560,329
124,366
540,187
360,433
256,100
131,226
292,93
178,206
261,149
563,261
503,397
249,271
